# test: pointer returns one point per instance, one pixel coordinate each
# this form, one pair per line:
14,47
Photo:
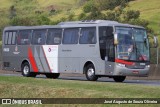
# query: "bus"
96,48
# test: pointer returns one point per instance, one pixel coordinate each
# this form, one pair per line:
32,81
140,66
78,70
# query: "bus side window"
88,36
6,38
14,38
54,37
38,37
24,37
70,36
10,38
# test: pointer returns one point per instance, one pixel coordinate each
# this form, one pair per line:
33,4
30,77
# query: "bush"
71,17
82,16
131,14
88,7
111,15
30,20
111,4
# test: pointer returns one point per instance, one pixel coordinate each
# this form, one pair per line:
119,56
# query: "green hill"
149,9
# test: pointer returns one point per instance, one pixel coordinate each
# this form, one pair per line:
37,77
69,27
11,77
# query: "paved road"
104,79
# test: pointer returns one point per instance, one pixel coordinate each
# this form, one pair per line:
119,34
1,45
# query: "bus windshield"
132,44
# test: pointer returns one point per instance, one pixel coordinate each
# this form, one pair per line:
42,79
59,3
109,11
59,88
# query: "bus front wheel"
90,73
26,70
119,78
52,75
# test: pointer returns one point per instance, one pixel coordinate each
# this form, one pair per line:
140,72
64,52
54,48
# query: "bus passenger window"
6,38
39,37
70,36
88,36
54,36
10,38
24,37
14,38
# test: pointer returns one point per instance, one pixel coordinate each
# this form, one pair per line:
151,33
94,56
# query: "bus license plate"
142,64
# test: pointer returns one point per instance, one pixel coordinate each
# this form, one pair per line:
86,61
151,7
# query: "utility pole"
158,49
157,55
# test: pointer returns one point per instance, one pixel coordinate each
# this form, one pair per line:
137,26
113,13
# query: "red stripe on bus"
124,62
46,59
32,60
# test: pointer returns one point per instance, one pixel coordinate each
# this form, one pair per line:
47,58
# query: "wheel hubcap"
26,69
90,72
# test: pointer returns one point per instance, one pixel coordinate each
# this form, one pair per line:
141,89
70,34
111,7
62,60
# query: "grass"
63,4
21,87
5,4
149,10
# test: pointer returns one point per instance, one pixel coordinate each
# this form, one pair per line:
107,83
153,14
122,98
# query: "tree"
131,14
71,17
30,20
12,12
89,6
81,2
82,16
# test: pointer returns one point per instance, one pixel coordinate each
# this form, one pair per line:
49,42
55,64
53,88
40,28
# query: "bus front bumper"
124,71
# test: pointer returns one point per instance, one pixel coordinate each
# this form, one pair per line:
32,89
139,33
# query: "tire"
52,75
26,70
119,78
90,73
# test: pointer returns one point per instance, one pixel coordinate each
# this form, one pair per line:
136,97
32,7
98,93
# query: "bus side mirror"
115,39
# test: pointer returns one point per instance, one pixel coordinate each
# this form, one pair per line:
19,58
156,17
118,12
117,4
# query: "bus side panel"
97,62
38,59
9,58
51,56
109,68
72,58
69,65
91,53
69,58
34,56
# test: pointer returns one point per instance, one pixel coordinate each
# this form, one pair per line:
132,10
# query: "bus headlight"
121,65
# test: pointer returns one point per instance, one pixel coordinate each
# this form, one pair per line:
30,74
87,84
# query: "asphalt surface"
103,79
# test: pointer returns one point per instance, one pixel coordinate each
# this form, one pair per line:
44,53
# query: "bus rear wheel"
26,70
52,75
90,73
119,78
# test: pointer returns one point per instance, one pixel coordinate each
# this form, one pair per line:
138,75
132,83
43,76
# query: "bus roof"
84,23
